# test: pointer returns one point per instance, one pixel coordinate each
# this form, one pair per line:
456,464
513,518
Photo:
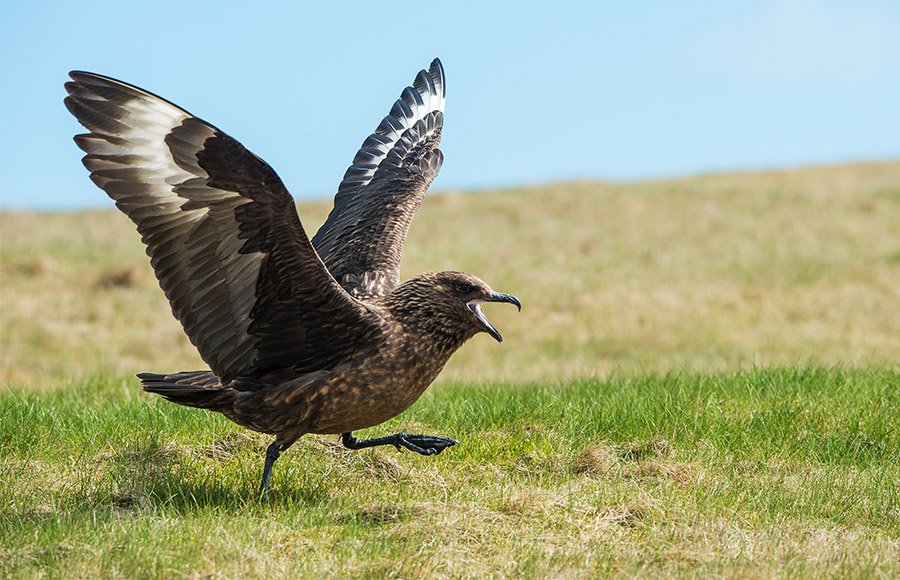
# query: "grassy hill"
703,382
713,273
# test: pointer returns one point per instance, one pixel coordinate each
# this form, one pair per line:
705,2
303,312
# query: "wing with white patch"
361,242
222,233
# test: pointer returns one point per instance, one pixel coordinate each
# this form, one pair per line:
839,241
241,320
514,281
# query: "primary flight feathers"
383,189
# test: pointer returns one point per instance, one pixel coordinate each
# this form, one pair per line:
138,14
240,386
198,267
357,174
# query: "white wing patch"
416,116
142,150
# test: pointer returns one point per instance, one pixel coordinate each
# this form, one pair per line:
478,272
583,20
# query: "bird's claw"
421,444
424,444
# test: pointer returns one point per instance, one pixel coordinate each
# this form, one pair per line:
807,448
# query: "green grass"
760,473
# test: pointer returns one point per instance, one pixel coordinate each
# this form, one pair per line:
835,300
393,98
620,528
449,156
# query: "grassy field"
763,473
703,381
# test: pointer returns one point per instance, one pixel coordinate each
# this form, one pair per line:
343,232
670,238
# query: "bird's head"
450,302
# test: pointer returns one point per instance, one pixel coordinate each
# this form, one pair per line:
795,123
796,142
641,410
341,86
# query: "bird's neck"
429,330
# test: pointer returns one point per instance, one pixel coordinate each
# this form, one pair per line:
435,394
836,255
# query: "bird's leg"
424,444
273,452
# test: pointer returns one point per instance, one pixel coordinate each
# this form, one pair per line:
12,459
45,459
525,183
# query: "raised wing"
222,233
362,240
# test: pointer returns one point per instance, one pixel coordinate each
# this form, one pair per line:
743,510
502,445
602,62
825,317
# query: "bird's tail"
200,389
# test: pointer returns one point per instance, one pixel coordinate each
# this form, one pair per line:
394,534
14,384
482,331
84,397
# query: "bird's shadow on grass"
186,480
185,497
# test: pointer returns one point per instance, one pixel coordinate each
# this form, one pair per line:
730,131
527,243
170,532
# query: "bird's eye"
463,288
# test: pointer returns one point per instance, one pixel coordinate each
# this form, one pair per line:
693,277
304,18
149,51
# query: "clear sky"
536,92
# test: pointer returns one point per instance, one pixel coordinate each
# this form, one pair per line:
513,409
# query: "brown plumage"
301,336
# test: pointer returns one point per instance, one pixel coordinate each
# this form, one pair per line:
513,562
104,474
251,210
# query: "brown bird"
301,336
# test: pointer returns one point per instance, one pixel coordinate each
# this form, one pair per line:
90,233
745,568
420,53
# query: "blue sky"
593,90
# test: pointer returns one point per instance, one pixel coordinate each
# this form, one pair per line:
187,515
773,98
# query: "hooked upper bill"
475,307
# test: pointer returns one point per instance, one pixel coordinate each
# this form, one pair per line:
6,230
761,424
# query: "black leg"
273,452
424,444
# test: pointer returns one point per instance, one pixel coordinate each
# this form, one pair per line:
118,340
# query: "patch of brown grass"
652,459
381,514
121,277
655,448
232,443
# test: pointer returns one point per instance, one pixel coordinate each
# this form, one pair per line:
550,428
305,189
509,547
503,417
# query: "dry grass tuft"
234,442
602,458
144,463
121,277
599,460
131,499
30,268
655,448
381,514
633,513
681,473
381,467
652,459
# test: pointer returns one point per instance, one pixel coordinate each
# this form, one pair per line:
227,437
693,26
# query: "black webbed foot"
422,444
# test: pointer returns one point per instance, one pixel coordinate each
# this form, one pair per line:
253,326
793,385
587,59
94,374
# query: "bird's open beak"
475,307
